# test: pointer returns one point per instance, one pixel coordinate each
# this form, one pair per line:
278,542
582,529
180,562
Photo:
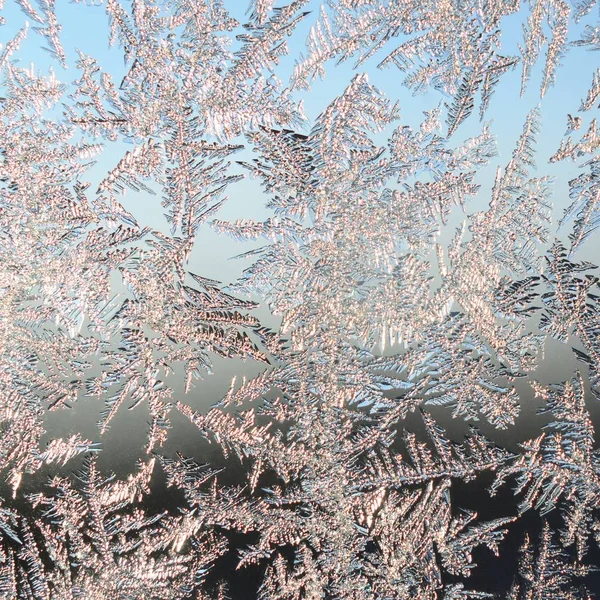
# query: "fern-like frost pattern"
414,277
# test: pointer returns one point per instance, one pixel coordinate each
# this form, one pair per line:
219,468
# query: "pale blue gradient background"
86,28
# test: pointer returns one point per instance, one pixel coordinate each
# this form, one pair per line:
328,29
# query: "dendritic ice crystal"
412,189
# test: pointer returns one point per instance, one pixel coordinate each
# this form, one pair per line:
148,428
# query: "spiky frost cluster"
387,314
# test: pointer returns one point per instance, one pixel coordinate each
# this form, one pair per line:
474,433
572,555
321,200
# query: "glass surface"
299,300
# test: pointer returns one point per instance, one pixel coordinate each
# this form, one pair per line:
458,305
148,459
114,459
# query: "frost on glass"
409,271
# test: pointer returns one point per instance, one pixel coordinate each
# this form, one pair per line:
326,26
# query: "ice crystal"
545,571
409,284
561,465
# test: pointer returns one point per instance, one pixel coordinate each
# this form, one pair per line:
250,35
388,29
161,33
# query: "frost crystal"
420,300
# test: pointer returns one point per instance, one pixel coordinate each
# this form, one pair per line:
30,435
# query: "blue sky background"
85,27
